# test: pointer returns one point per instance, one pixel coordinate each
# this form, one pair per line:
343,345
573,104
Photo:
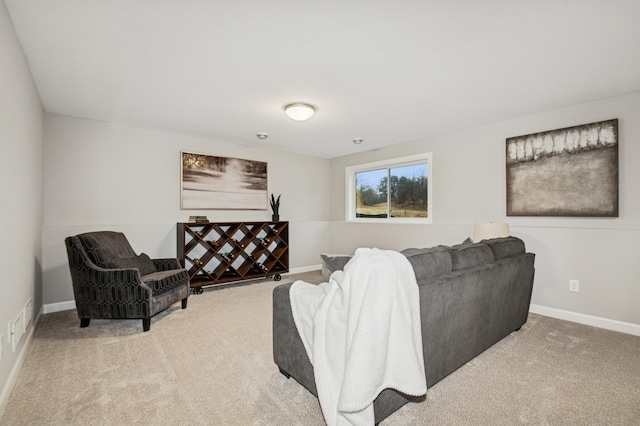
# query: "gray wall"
21,118
469,186
106,176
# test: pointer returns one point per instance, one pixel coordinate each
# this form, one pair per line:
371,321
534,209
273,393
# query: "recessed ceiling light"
262,135
300,111
358,141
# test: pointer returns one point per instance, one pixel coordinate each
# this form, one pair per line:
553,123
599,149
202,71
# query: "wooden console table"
225,252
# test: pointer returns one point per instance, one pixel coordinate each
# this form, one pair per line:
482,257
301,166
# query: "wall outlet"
574,285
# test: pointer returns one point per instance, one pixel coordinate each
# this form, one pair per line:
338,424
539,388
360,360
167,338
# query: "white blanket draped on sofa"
361,331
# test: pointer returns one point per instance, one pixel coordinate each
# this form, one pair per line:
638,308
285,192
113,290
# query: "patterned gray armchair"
111,281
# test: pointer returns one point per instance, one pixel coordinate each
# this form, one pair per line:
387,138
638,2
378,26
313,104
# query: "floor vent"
16,330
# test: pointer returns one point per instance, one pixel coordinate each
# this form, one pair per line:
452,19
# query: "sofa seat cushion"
163,281
429,262
141,262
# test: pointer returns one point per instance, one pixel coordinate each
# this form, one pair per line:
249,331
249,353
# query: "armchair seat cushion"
164,281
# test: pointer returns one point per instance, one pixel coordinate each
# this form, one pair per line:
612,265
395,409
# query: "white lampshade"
300,111
486,230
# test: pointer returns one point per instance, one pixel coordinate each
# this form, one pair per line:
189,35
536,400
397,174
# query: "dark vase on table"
275,218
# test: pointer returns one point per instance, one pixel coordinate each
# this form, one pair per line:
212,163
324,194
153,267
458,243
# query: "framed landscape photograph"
211,182
565,172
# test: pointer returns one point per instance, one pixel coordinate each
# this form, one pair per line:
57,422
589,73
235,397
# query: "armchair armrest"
101,293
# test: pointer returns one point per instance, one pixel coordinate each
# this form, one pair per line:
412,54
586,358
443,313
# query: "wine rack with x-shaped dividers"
221,253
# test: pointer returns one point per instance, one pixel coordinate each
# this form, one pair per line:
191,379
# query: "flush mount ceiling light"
299,111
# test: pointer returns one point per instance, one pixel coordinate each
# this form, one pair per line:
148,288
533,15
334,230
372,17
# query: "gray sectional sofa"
471,296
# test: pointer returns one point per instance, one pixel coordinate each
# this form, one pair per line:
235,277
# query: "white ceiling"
385,71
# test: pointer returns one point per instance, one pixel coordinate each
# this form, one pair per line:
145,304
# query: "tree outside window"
400,190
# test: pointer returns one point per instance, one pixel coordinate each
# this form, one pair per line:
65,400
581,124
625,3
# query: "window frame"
350,181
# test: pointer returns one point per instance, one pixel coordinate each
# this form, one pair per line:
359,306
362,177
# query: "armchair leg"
146,324
184,303
84,322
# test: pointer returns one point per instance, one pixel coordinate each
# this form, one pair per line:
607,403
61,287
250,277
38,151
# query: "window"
392,191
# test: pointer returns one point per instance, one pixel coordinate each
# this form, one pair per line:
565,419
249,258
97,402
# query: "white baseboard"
305,269
71,304
608,324
57,307
15,371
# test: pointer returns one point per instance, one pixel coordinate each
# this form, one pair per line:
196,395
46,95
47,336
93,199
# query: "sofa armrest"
288,350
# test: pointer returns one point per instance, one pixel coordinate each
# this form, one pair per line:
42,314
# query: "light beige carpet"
211,364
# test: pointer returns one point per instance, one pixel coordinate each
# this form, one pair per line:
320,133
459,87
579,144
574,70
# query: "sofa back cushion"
332,263
429,262
506,247
465,256
103,247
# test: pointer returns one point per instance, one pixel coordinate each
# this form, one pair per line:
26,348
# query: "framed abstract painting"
565,172
211,182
